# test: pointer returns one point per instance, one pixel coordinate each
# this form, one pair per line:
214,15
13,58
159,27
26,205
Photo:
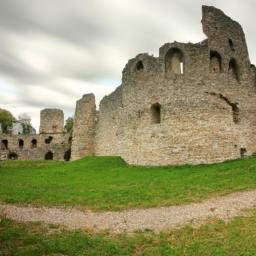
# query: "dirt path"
139,219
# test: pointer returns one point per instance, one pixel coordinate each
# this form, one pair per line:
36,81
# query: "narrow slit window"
67,155
34,143
21,143
139,66
215,62
156,113
4,144
181,68
233,70
231,44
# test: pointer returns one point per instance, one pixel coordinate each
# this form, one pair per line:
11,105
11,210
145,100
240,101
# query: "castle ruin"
193,104
50,144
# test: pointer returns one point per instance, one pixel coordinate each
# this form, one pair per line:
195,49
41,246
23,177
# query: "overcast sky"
54,51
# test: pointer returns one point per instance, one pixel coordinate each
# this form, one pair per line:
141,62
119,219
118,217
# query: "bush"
6,120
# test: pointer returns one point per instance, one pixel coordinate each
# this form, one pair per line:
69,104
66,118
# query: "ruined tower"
226,38
51,121
84,127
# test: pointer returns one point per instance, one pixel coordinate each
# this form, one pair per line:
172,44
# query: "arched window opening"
174,61
155,113
12,156
48,140
139,66
48,156
4,144
215,62
33,143
231,44
21,143
67,155
233,70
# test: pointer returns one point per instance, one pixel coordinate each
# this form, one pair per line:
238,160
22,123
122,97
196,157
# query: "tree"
24,118
69,124
28,129
25,121
6,120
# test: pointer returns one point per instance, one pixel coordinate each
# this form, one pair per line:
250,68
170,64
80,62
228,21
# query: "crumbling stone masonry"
193,104
84,127
50,144
51,121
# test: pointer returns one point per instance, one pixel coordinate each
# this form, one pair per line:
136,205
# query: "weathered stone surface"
206,95
35,147
51,121
84,127
51,143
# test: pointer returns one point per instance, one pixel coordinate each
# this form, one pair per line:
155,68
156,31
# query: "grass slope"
108,183
215,238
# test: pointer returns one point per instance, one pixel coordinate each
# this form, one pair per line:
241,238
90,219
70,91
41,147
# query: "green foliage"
238,237
34,239
27,128
108,183
6,120
69,124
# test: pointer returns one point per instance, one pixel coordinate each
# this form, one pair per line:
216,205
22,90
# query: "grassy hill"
108,183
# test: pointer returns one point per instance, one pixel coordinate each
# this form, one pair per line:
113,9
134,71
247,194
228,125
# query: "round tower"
51,121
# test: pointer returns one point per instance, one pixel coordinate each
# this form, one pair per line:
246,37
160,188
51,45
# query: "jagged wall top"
195,103
224,36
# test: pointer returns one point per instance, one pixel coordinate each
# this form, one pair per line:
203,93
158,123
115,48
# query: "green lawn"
215,238
108,183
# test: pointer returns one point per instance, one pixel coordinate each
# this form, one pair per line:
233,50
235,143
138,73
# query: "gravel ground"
155,219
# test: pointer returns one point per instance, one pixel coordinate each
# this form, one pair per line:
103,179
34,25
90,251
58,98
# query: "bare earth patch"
155,219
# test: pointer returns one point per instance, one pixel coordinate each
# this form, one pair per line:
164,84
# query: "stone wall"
51,144
51,121
35,147
195,103
106,137
84,127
